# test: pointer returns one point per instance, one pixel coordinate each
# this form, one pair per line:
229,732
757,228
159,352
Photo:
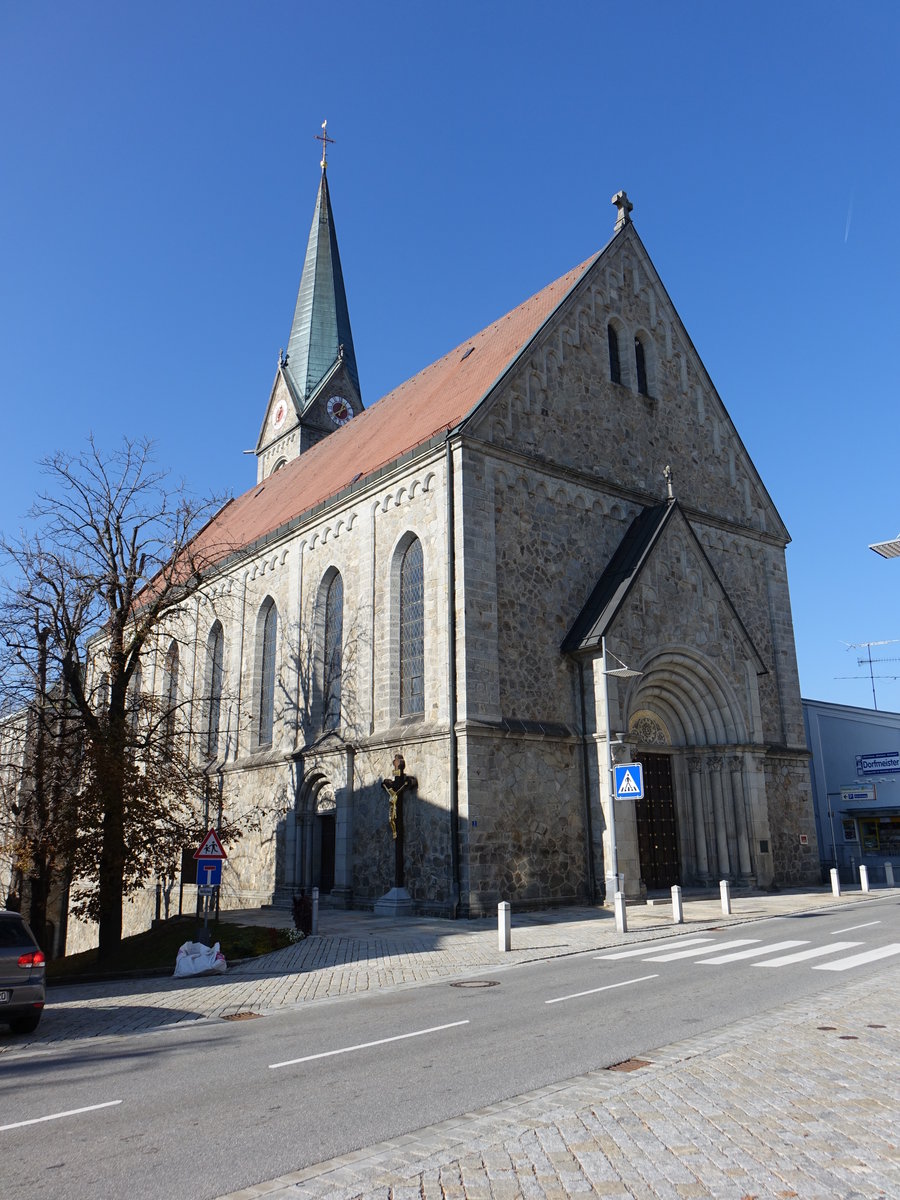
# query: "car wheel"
25,1024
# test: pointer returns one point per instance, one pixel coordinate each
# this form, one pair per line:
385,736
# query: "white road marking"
673,954
71,1112
857,960
365,1045
645,948
737,955
802,955
608,987
850,928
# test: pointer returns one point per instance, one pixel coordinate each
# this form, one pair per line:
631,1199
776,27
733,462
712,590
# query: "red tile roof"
438,398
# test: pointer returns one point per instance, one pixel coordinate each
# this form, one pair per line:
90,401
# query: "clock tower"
316,388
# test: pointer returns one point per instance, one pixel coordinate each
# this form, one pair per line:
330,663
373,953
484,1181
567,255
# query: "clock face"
279,415
340,410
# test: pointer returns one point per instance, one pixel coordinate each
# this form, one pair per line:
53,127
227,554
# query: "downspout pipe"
451,675
586,784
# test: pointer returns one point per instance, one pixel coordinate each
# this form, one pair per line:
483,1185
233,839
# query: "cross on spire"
624,205
325,140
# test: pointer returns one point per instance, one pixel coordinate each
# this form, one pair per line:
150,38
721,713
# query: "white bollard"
835,882
864,877
504,926
315,912
725,893
621,919
677,906
889,874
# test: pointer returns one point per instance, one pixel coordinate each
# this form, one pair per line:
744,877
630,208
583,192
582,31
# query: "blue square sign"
629,781
209,872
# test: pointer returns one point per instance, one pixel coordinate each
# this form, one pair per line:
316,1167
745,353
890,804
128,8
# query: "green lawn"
157,948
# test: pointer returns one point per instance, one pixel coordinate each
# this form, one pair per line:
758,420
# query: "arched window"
215,656
640,366
134,697
412,630
170,693
266,694
615,368
332,665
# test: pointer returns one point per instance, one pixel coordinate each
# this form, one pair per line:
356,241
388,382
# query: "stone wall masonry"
560,405
791,816
552,542
524,823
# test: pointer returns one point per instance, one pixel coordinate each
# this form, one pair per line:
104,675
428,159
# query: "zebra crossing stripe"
698,950
682,941
737,955
857,960
803,955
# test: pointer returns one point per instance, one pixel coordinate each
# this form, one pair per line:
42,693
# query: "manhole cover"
240,1016
476,983
630,1064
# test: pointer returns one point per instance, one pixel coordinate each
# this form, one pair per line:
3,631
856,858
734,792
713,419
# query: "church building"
546,554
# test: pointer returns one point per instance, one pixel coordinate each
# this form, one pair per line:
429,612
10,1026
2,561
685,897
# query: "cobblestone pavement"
770,1108
802,1102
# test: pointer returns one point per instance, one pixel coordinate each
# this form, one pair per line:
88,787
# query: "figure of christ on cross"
395,786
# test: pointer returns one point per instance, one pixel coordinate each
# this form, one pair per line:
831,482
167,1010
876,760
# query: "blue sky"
158,171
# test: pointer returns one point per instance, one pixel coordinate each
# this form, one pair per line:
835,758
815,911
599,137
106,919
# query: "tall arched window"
266,694
640,365
332,665
412,630
170,693
615,367
215,657
134,697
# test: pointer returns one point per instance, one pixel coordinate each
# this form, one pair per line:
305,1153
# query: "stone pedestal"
395,903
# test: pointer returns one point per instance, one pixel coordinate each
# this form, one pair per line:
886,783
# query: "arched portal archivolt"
682,705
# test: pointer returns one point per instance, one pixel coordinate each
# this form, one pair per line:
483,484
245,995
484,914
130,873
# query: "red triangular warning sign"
210,847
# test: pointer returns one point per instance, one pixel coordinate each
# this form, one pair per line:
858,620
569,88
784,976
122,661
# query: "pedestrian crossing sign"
629,781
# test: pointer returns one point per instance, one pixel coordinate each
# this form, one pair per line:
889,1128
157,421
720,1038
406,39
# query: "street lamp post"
889,549
620,672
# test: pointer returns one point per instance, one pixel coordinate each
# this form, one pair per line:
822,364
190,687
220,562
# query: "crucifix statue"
395,787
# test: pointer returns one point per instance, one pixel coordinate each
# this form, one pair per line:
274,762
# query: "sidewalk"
766,1109
358,952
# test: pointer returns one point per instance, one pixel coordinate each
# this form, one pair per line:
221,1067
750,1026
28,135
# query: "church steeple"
316,387
321,319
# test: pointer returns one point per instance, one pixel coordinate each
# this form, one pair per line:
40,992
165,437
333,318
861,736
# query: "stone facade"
519,509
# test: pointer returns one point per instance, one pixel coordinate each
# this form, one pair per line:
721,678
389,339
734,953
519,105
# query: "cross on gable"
624,205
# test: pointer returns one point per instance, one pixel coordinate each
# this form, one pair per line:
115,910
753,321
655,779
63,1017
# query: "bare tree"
125,555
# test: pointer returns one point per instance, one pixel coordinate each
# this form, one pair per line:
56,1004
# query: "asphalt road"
201,1110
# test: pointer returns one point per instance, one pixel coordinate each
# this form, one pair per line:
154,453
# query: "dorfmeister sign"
211,847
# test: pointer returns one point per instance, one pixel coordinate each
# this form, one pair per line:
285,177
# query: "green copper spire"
321,330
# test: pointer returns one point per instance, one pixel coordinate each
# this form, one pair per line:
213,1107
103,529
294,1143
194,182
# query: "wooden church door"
657,834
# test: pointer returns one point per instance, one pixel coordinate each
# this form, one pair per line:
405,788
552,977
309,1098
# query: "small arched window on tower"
412,630
615,368
215,656
333,661
640,367
267,634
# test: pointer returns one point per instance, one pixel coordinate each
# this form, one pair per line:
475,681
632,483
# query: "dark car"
22,988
